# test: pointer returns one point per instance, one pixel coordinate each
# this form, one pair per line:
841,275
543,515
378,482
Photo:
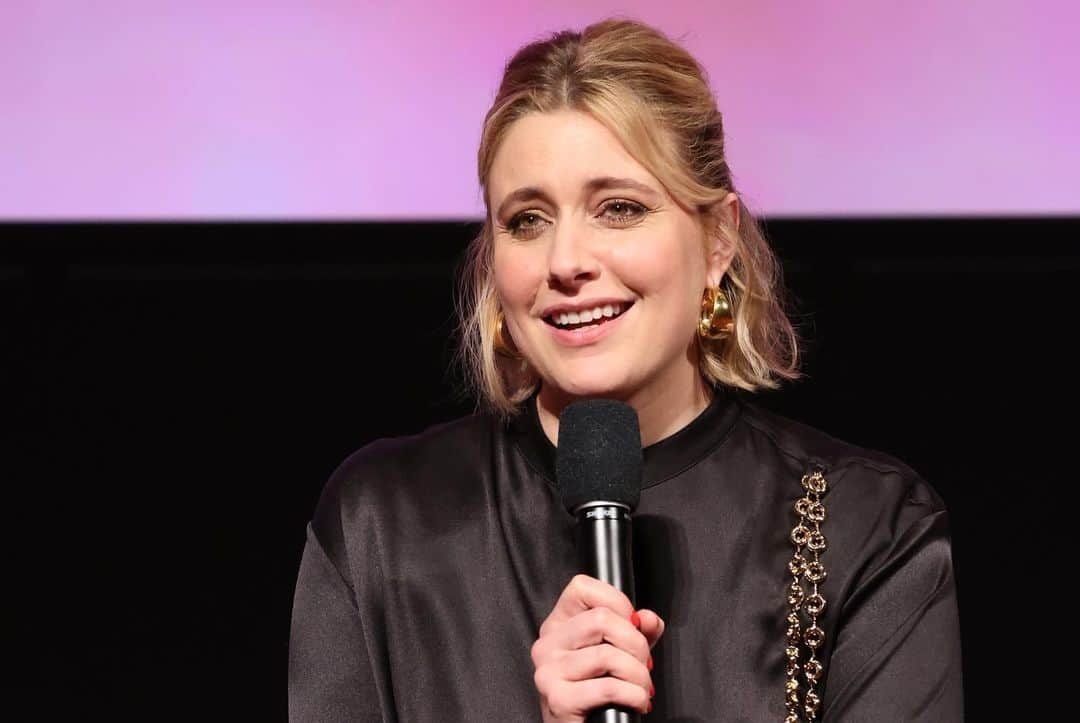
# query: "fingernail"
648,663
635,619
652,690
649,709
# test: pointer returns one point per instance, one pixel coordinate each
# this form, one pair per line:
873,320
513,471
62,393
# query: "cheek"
669,276
653,269
514,275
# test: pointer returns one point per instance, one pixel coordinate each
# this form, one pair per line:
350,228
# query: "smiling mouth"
566,321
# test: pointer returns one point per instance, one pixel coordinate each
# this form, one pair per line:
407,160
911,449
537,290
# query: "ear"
722,240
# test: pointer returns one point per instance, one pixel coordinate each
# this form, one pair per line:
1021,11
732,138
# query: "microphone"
598,467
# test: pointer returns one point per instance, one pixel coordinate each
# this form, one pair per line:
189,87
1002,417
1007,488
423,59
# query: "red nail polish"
652,690
648,663
649,709
635,619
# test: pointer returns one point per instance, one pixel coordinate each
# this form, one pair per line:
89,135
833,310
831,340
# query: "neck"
662,411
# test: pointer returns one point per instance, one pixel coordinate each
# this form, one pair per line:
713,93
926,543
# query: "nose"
570,259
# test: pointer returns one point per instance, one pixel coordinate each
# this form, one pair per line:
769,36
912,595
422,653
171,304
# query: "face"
580,225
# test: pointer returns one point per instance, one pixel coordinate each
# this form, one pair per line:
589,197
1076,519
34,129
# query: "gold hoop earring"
501,347
716,321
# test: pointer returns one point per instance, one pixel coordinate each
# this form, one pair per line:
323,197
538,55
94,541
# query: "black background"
176,394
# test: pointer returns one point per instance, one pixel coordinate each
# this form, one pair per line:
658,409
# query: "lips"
596,315
585,334
578,307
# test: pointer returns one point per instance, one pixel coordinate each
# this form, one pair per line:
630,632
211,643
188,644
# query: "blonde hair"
655,98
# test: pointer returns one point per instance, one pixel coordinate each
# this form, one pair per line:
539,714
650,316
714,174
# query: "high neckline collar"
662,460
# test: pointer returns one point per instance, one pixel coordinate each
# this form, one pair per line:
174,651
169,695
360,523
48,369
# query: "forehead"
560,150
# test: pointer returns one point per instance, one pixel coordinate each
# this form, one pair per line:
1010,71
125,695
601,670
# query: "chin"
599,384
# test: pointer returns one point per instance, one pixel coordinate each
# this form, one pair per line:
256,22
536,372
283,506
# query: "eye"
623,211
525,223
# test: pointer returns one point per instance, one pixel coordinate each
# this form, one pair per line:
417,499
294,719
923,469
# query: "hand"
590,653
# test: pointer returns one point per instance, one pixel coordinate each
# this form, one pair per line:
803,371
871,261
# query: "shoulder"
439,446
442,449
392,471
855,473
879,514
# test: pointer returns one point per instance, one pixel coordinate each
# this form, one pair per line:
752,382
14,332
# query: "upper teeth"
580,317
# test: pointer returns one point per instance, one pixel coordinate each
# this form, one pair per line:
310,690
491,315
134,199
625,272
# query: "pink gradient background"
118,109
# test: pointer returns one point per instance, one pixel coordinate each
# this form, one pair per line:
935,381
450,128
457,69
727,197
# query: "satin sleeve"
897,655
330,674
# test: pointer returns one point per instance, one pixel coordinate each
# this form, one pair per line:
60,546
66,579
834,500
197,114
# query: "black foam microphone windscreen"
599,453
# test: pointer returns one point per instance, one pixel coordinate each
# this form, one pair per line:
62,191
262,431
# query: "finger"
583,593
569,699
597,661
601,625
652,626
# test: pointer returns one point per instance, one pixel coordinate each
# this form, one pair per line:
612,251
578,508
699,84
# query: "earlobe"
719,263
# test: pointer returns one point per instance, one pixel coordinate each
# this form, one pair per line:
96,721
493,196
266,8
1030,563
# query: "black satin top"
432,560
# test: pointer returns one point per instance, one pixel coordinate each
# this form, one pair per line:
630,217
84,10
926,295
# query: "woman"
781,574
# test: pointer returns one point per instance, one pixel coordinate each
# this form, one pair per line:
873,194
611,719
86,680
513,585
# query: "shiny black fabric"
432,560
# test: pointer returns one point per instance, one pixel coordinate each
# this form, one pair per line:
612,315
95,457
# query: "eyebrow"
530,193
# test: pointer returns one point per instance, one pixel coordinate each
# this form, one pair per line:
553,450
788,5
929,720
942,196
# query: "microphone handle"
604,544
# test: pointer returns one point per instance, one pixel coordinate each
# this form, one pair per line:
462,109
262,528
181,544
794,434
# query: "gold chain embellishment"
806,564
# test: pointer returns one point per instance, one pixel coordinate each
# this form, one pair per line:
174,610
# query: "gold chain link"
807,537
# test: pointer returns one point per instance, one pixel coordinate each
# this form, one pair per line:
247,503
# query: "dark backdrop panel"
177,394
